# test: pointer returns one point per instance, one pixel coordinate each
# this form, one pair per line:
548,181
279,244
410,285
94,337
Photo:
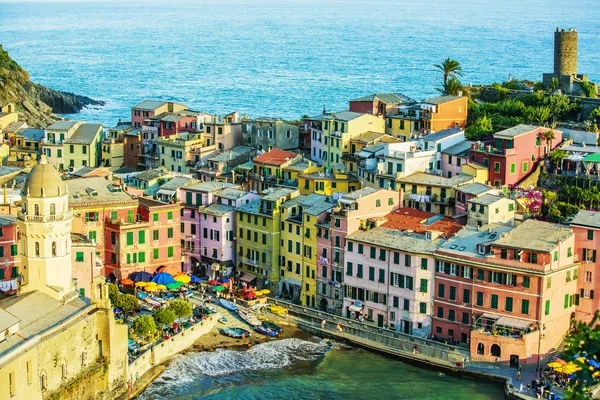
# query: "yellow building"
335,179
477,171
406,124
258,236
298,252
51,338
71,144
363,140
339,128
183,151
7,116
27,148
432,193
113,147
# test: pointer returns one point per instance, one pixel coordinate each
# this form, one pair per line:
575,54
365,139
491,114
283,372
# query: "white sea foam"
272,355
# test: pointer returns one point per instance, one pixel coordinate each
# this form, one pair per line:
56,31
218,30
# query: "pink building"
514,153
379,103
355,208
85,264
464,193
454,157
10,259
390,268
313,134
586,226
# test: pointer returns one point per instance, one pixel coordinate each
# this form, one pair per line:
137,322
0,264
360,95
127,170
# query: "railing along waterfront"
386,337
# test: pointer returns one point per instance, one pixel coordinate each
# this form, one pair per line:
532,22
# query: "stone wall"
167,349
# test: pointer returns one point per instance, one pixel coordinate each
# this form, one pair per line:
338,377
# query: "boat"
227,304
223,320
265,331
147,307
152,302
271,326
208,309
277,309
248,317
236,332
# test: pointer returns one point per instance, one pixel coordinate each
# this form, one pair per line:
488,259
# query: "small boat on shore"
223,320
277,309
272,326
249,317
238,333
227,304
265,331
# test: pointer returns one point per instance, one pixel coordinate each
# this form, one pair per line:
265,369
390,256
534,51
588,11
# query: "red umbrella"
213,282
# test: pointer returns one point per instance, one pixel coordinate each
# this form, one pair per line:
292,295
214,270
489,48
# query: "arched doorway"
495,351
480,348
323,304
284,290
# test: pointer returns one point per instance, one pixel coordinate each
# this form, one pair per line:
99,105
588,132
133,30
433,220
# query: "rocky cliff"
36,104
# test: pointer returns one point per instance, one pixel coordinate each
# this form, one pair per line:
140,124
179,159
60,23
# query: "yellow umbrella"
151,288
152,284
265,291
161,287
570,369
555,365
183,278
141,284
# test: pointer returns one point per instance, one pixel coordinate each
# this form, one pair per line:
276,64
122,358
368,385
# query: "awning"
513,323
490,316
166,192
354,307
248,278
365,154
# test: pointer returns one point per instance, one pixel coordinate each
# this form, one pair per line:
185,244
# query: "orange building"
444,112
508,293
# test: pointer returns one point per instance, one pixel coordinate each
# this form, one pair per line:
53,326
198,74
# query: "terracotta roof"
275,157
419,221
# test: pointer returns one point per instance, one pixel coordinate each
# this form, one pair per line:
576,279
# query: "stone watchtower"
565,52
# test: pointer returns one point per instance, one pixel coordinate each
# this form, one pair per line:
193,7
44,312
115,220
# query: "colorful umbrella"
195,279
151,288
183,278
163,278
224,280
161,287
555,364
174,285
213,282
141,276
219,288
127,282
265,291
141,284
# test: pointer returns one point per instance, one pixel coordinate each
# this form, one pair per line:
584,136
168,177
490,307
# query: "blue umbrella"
163,278
117,310
141,276
195,279
224,280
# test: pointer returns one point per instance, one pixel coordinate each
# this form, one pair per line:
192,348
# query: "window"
525,166
440,312
154,217
170,215
422,307
524,307
170,251
13,250
79,256
466,296
373,252
513,168
371,273
360,248
359,271
349,269
406,260
496,167
142,237
423,286
350,246
480,299
566,301
381,276
549,282
129,238
155,254
424,263
169,233
509,304
526,282
569,252
547,307
451,315
480,274
378,203
441,290
538,141
590,234
155,234
452,293
494,303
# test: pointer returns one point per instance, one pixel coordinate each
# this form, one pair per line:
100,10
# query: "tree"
164,316
480,128
538,115
548,137
451,87
449,68
128,303
583,350
595,115
113,294
557,156
180,308
144,326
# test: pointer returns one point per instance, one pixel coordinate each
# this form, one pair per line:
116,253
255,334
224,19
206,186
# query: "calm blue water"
296,369
283,57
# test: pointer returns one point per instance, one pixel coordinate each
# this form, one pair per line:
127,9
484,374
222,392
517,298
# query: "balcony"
52,142
45,218
249,261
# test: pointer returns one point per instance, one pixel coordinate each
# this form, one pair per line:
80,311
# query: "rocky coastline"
36,104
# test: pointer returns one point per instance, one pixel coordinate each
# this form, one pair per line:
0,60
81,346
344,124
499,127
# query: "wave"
279,354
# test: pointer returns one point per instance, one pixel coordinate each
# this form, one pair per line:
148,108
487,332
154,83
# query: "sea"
306,369
283,58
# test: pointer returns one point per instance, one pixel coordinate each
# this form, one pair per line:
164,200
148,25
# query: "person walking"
519,377
323,324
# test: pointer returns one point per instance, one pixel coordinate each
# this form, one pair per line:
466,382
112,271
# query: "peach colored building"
586,226
508,293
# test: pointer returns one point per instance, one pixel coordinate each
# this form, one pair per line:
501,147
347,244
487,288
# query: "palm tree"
451,87
450,68
548,136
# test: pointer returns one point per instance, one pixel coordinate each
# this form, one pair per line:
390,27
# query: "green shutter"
14,250
494,304
509,304
129,238
156,254
547,308
423,286
188,197
155,217
128,258
480,299
142,237
130,216
142,257
170,215
170,251
423,263
1,274
15,272
525,307
566,301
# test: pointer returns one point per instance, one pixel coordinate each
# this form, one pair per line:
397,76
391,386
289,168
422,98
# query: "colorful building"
10,259
276,168
514,154
444,112
379,104
586,226
337,131
269,133
258,236
490,209
150,108
336,180
71,144
509,293
224,132
223,163
351,213
113,146
464,193
454,157
149,241
27,148
389,269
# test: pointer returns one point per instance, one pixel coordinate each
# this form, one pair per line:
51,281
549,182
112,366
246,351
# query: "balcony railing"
45,218
250,261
